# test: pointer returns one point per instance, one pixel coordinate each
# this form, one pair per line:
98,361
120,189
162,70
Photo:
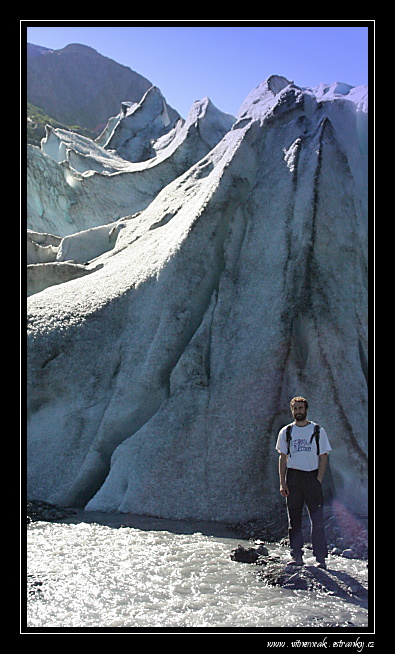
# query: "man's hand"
323,460
282,466
284,490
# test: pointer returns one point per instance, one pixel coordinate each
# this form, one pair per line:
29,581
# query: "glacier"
183,287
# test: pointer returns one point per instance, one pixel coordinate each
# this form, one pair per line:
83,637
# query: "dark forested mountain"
78,86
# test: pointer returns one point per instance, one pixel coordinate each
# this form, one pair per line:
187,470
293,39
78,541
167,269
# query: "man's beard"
300,416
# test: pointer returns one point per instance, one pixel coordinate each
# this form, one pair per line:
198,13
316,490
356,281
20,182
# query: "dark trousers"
304,488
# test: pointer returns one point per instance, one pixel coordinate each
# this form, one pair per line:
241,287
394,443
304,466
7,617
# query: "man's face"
299,411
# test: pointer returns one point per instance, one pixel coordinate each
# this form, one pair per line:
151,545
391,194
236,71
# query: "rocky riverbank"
346,534
347,538
275,570
39,510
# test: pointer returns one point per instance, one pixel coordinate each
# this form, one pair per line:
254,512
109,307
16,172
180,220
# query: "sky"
224,62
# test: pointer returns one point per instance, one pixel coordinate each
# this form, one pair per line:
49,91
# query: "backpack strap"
288,436
316,435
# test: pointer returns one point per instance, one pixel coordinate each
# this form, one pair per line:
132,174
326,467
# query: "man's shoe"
296,560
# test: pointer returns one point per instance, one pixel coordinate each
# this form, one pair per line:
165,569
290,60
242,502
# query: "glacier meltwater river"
87,574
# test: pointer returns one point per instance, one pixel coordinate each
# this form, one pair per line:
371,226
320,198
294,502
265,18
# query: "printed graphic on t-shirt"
300,445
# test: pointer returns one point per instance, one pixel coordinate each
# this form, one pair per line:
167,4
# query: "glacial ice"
158,381
91,185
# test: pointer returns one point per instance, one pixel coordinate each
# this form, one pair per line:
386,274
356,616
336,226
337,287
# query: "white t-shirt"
302,453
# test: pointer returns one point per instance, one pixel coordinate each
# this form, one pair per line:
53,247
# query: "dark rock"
311,578
337,551
39,510
244,554
262,550
270,528
250,554
33,585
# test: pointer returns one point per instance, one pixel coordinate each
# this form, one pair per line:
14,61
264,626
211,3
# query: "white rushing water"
95,575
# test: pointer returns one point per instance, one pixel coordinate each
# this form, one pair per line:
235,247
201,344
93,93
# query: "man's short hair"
299,399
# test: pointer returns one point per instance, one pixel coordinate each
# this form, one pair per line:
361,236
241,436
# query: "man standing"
303,448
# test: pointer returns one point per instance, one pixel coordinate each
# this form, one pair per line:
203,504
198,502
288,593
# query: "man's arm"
323,461
282,467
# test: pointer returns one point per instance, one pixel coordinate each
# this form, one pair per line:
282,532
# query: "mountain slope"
78,86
